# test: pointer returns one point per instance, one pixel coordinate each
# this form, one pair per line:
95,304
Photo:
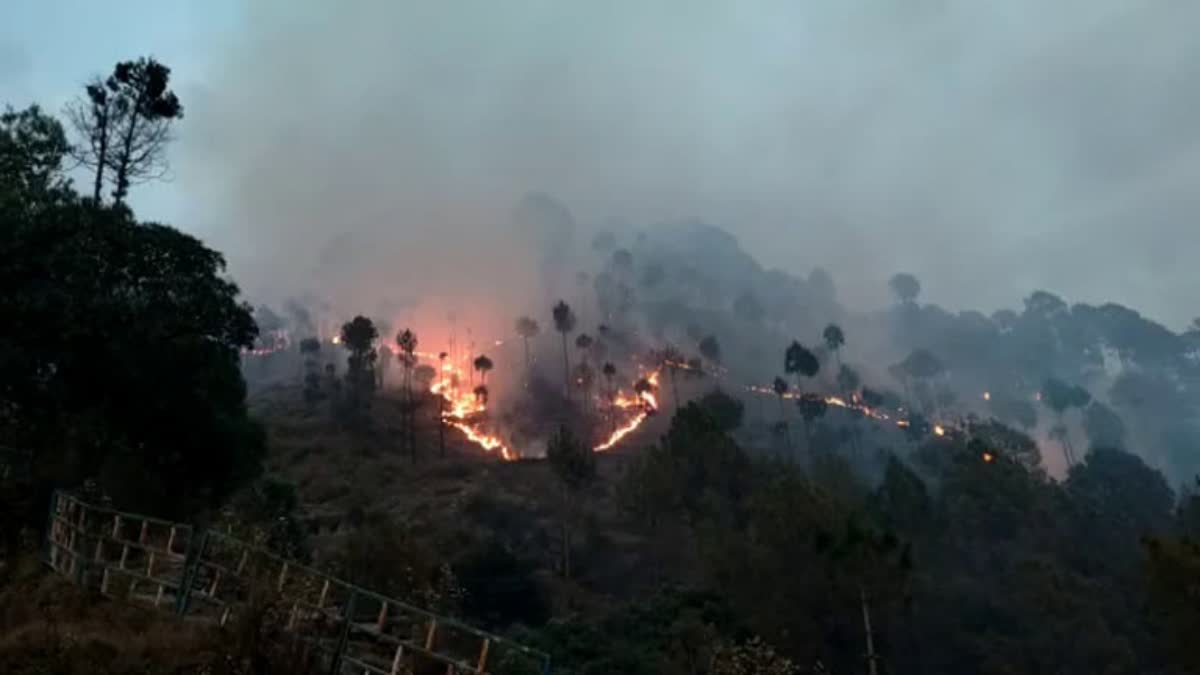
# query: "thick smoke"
378,148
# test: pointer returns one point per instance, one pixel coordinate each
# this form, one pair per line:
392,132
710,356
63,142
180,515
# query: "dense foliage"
120,361
962,563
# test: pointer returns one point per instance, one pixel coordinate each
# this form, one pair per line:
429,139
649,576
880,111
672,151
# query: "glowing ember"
939,430
987,395
988,457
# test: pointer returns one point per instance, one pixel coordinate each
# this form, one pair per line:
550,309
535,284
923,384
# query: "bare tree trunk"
566,369
1065,441
787,434
101,154
126,156
528,372
568,512
872,668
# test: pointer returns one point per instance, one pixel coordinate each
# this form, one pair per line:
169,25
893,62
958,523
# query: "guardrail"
204,575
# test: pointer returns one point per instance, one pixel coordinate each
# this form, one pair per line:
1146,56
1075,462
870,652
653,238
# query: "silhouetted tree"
812,407
865,558
406,340
120,354
358,337
528,329
564,322
905,286
125,124
575,465
32,147
1061,397
834,340
848,380
672,360
710,349
383,362
643,386
484,365
441,401
780,387
610,372
800,362
725,409
584,342
310,349
584,378
922,366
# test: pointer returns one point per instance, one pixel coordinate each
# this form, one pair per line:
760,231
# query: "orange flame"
853,404
463,406
645,403
616,436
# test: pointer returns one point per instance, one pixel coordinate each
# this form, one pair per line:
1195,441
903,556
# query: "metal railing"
204,575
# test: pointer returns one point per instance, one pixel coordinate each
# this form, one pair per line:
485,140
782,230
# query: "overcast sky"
989,148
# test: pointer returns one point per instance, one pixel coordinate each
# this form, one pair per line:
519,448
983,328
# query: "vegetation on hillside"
901,533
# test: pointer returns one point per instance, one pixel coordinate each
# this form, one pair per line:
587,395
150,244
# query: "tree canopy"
122,359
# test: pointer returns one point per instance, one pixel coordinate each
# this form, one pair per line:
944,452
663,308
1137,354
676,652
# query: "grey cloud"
990,148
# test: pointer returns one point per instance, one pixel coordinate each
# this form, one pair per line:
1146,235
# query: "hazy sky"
990,148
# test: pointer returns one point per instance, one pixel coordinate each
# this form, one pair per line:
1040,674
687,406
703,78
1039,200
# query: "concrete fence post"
191,565
344,638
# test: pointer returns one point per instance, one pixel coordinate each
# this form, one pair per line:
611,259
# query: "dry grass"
449,503
50,627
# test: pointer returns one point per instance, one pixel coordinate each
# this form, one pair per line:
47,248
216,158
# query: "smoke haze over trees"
960,142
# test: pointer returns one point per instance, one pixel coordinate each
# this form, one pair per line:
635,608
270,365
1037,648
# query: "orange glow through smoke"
462,409
467,413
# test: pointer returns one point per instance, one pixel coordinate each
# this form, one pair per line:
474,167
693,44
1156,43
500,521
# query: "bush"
501,589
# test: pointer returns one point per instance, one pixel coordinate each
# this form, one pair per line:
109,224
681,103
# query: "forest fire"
465,409
853,404
644,403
